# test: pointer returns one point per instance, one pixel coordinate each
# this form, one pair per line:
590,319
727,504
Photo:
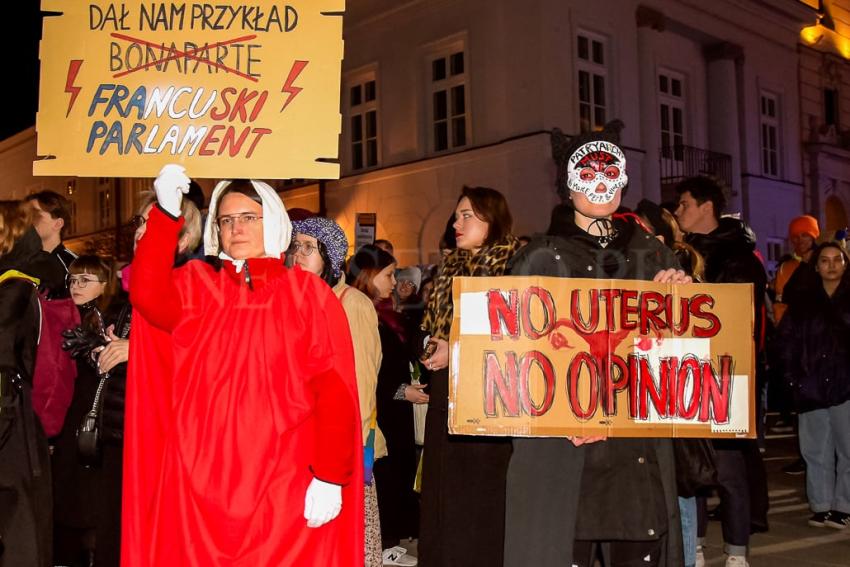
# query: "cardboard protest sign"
551,357
227,89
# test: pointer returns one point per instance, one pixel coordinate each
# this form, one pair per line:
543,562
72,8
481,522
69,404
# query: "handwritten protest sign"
228,89
551,357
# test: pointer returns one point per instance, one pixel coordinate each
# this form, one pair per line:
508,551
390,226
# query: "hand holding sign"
170,186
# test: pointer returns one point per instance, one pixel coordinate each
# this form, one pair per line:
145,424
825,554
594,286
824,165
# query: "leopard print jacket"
489,261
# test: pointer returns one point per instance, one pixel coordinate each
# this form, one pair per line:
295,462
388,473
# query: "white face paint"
597,170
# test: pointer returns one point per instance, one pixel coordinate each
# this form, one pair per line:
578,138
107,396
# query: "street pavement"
790,541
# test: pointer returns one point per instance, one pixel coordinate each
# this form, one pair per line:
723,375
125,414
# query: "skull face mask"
598,171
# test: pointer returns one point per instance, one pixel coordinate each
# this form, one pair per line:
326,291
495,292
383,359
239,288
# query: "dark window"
456,64
830,107
438,69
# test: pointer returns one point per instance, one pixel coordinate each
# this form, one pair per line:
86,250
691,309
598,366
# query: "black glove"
80,342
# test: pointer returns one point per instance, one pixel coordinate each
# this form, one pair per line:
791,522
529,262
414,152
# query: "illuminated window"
592,67
449,98
671,106
769,134
361,104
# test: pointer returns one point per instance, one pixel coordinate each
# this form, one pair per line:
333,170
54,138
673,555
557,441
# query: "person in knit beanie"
803,232
319,246
319,241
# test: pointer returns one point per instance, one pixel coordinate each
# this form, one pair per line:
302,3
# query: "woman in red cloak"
242,428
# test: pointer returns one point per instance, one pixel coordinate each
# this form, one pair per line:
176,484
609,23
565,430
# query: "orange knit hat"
804,224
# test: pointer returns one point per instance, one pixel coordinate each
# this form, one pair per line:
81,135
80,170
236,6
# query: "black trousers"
735,497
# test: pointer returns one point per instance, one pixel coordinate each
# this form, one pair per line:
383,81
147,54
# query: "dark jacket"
112,411
729,252
395,473
814,343
25,518
551,484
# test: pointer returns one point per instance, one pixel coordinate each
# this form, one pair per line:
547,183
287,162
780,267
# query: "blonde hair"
192,225
15,219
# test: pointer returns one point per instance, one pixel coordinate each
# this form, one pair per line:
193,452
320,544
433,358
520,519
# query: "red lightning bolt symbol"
288,87
73,69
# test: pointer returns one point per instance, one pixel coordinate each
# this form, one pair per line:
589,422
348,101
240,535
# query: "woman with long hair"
372,271
25,499
814,335
319,246
463,478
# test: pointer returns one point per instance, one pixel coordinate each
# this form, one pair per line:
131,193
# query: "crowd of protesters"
92,421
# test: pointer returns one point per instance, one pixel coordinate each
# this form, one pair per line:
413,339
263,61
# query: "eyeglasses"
138,221
304,249
81,282
229,221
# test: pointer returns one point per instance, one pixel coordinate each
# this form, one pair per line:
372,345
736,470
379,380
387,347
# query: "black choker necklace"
603,231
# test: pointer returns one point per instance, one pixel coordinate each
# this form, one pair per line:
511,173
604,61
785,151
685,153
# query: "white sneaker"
700,561
736,561
398,556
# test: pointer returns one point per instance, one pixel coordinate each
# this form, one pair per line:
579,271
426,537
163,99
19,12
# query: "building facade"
442,93
825,115
437,94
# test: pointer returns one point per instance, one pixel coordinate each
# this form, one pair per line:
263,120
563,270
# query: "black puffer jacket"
569,252
729,252
814,343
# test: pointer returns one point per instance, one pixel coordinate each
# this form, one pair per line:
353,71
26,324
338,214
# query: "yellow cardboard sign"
552,357
227,89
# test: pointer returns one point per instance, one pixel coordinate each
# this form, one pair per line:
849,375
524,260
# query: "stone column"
724,122
649,24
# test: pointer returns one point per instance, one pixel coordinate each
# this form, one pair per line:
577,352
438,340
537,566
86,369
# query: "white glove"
322,503
170,186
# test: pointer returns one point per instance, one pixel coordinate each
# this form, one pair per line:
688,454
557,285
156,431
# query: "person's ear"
59,224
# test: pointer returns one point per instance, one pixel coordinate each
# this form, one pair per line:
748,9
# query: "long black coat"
548,477
395,473
25,499
814,343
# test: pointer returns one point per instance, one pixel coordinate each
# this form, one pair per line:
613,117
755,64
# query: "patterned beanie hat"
328,233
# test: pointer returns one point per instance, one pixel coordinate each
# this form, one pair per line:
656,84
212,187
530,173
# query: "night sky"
21,33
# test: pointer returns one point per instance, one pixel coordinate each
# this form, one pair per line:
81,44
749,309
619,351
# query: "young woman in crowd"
25,501
319,246
372,271
76,486
814,342
463,478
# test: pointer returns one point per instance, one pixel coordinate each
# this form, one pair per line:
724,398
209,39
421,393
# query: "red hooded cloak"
241,389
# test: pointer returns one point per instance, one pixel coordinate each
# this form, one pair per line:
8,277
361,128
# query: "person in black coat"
728,246
814,341
76,481
567,500
25,488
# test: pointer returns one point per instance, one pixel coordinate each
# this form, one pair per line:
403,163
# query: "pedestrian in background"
814,338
